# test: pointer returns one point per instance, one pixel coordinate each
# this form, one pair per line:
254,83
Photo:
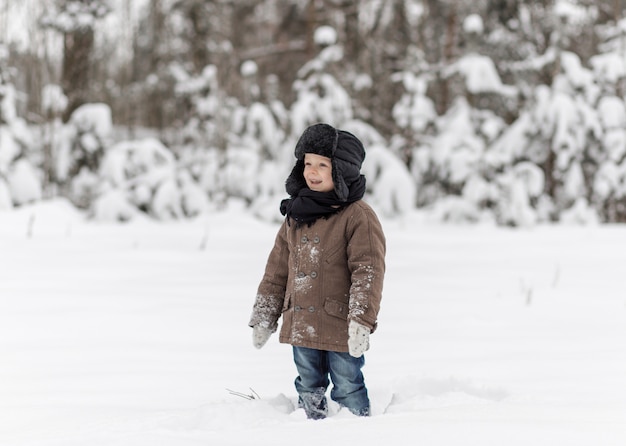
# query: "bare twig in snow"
252,396
205,237
557,276
31,224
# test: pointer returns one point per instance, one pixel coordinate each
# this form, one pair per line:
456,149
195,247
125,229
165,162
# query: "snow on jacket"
320,277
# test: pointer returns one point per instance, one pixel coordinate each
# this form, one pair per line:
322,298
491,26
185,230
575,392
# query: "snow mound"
56,217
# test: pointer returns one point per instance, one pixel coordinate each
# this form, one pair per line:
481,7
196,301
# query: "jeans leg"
312,382
348,382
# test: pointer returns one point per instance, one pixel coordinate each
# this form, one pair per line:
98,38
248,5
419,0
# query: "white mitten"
358,339
260,335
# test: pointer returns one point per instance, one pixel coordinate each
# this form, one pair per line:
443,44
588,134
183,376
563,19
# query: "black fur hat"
343,148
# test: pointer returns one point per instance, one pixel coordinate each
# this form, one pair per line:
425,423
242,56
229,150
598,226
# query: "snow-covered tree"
20,181
257,125
608,184
258,154
320,96
209,108
143,176
205,146
415,111
501,111
79,147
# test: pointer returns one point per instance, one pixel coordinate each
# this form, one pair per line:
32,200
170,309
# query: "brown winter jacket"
320,277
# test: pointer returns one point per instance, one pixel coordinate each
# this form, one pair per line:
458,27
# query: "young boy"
324,275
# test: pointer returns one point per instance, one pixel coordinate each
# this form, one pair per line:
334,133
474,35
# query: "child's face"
318,172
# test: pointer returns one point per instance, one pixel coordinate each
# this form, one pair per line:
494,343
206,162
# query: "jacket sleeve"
366,262
271,292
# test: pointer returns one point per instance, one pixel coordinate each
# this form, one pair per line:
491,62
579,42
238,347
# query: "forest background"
505,111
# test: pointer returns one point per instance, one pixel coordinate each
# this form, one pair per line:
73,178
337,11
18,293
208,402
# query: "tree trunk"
77,47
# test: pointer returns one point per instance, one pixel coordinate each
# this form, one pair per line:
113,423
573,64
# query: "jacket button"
314,274
300,274
316,239
311,309
297,308
304,239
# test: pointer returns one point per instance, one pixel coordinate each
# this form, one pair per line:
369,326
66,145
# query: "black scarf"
308,205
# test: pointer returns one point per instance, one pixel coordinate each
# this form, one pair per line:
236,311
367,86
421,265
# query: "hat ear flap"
341,188
295,181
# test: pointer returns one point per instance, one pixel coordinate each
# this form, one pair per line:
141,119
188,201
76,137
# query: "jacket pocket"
330,256
287,302
336,309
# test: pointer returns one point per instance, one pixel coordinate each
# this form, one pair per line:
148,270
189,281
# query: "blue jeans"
314,368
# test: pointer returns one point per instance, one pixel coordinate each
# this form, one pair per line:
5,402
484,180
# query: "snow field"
132,334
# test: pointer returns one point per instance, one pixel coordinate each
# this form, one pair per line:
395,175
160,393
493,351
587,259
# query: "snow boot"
314,404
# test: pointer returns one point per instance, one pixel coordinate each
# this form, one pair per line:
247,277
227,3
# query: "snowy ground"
131,334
